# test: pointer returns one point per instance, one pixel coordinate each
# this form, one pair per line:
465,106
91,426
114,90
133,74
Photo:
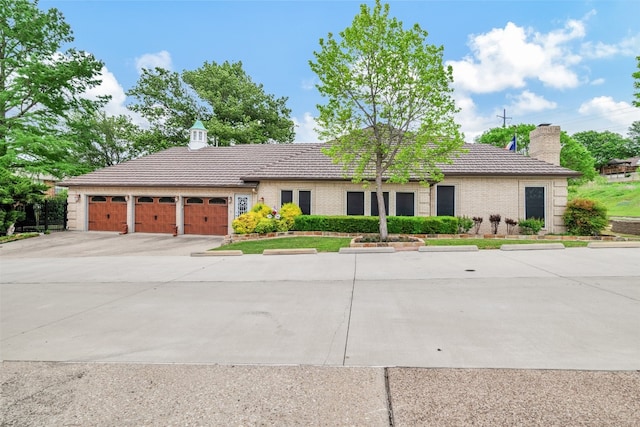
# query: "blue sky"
566,62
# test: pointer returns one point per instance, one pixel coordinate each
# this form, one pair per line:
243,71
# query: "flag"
511,146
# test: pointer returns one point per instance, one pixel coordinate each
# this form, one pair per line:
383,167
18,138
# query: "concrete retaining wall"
626,226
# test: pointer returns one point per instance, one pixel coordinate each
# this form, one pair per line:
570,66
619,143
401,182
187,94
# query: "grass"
620,198
322,244
333,244
14,237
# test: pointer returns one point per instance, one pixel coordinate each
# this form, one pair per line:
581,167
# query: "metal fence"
49,215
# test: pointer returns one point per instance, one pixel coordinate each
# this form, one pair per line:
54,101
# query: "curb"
372,250
531,247
301,251
602,245
461,248
217,253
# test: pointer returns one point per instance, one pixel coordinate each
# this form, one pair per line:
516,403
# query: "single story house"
200,189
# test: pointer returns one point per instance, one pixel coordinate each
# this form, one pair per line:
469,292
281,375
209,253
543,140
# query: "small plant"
266,225
477,222
511,223
530,226
495,222
464,224
585,217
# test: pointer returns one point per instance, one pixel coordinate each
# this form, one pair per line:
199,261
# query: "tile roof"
243,165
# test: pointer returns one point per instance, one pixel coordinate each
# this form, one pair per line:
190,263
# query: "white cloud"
629,46
597,82
507,57
471,123
528,102
160,59
606,110
305,129
116,106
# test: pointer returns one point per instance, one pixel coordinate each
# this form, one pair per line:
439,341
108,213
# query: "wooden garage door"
205,216
155,215
107,213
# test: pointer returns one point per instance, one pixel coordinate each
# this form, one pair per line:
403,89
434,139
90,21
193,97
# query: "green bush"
370,224
246,223
530,226
464,224
266,225
585,217
288,214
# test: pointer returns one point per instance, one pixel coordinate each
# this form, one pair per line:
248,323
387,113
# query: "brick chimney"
544,143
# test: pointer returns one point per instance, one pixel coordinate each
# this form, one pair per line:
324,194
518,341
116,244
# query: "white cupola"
197,136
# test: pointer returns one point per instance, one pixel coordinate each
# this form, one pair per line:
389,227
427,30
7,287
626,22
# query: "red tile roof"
244,165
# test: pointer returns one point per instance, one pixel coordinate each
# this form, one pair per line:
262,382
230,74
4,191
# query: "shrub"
495,222
477,222
246,223
530,226
262,210
464,224
511,223
370,224
288,214
266,225
585,217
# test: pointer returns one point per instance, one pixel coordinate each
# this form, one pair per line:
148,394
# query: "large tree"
636,84
389,111
234,109
605,146
40,85
573,155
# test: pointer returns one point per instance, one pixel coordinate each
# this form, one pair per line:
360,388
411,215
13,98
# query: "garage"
155,214
206,216
107,213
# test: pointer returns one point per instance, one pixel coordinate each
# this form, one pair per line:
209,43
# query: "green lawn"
620,198
322,244
333,244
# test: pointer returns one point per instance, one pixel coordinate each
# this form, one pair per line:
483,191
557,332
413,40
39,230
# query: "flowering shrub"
264,219
585,217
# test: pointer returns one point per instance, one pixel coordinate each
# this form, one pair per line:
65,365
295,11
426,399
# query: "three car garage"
190,215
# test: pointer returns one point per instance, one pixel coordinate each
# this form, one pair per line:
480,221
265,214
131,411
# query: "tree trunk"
382,212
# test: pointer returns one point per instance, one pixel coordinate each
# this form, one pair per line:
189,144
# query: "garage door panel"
107,213
208,216
155,215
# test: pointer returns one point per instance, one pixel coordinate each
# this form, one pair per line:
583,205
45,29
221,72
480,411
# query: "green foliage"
575,156
41,84
266,225
464,224
233,108
585,217
620,198
15,193
246,223
369,224
500,136
530,226
288,213
322,244
262,209
389,109
636,84
605,146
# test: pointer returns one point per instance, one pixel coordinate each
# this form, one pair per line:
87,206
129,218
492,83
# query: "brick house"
200,189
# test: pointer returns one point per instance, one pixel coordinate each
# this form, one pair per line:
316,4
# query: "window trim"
347,202
453,199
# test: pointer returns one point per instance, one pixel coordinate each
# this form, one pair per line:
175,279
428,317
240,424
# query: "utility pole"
504,118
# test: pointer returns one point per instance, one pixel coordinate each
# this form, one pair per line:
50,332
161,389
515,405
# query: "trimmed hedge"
369,224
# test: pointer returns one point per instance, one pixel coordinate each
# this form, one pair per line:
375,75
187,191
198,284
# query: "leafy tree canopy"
573,155
40,85
636,84
389,111
234,109
605,146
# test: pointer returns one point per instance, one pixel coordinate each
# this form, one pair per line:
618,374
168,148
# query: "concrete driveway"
399,339
72,244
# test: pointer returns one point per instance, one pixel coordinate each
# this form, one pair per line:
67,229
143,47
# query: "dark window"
355,203
374,203
534,202
405,204
145,199
166,200
218,201
445,200
118,199
98,199
286,196
195,201
304,201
